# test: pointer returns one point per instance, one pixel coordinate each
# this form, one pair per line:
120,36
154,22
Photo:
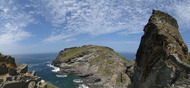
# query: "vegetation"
110,61
49,85
71,53
118,79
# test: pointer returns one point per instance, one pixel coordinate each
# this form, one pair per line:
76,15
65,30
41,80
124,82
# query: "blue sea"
41,63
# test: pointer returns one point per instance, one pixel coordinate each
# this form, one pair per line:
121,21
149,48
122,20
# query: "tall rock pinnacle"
161,56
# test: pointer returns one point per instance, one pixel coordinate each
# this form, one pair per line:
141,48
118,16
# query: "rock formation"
100,66
162,59
12,76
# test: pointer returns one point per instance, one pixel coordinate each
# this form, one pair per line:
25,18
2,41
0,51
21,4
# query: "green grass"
167,30
96,59
107,71
72,53
110,61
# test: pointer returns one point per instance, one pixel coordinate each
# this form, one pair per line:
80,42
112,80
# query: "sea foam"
83,86
55,69
61,76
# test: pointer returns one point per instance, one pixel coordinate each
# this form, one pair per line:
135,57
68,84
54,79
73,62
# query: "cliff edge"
162,59
100,66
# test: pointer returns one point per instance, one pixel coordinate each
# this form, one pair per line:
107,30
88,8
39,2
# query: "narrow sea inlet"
41,63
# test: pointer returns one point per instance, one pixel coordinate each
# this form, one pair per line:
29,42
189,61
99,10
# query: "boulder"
3,69
10,61
12,71
9,78
23,68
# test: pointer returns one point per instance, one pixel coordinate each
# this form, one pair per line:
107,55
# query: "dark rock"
3,69
8,60
161,56
13,84
9,78
12,71
23,68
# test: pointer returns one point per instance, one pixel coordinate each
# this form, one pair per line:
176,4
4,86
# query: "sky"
47,26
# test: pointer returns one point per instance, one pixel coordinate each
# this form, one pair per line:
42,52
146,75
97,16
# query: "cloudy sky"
43,26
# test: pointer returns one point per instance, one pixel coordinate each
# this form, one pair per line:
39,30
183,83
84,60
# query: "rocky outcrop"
162,59
12,76
23,68
100,66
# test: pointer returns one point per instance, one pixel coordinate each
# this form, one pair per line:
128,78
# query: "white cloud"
96,17
54,38
69,40
93,17
12,24
183,14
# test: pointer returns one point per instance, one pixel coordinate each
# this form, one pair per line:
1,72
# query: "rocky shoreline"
14,75
162,60
100,66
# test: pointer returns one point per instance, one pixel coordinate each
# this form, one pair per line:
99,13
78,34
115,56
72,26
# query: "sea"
41,63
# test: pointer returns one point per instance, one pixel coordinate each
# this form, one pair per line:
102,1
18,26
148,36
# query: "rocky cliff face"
100,66
13,75
162,58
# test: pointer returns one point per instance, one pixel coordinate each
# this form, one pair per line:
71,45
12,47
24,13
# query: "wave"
55,69
61,76
78,80
83,86
32,65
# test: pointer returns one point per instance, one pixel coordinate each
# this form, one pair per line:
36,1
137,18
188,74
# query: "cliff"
162,59
14,75
100,66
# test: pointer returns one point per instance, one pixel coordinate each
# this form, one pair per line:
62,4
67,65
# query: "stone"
33,73
13,84
22,79
3,69
12,71
32,84
23,68
9,78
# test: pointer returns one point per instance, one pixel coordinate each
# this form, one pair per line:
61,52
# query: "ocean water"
41,63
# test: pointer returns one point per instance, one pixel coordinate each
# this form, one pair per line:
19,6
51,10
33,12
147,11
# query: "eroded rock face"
161,56
100,66
13,76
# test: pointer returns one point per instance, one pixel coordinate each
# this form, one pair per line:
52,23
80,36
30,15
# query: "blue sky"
43,26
